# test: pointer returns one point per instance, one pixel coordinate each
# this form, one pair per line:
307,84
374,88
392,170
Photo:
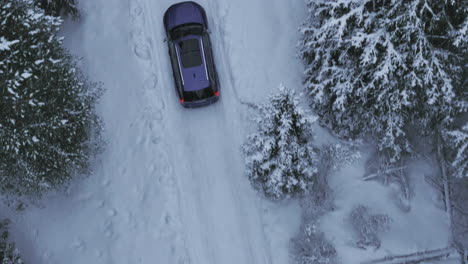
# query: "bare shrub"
380,168
9,254
367,227
311,247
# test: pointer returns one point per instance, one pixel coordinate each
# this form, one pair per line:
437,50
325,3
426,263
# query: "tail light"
216,93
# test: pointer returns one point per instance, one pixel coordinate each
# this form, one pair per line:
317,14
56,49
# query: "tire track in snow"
169,227
220,13
207,184
203,193
221,35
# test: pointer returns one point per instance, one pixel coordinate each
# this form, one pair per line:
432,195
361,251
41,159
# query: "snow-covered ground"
170,186
423,227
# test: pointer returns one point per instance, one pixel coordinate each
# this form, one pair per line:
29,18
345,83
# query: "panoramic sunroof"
190,53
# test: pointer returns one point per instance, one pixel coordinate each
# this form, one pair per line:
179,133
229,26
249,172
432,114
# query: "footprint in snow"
142,50
152,168
109,229
47,256
151,82
135,11
105,182
122,170
165,228
99,253
84,197
143,196
158,115
100,204
112,212
78,244
131,220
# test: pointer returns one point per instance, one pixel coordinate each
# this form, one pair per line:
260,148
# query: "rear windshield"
190,53
198,94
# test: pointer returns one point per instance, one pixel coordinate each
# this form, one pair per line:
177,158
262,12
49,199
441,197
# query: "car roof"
194,78
184,13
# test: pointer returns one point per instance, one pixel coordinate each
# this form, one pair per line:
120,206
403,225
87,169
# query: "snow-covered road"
170,186
220,214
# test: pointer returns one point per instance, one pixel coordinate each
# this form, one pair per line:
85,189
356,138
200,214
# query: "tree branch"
416,257
382,172
443,171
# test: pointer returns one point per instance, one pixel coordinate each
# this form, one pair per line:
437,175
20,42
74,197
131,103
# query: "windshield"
193,29
198,94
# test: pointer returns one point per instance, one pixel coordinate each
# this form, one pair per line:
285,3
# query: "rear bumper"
201,103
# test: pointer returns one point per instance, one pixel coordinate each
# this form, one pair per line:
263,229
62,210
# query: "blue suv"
191,55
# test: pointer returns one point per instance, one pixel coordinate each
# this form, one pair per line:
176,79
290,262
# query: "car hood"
183,13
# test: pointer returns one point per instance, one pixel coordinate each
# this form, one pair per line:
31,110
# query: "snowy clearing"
424,227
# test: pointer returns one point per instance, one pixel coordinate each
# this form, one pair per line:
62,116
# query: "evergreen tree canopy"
458,142
57,7
378,67
9,254
280,160
47,107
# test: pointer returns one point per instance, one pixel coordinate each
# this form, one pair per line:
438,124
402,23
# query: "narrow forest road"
170,186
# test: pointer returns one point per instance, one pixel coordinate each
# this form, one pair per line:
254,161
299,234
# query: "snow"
11,91
26,75
170,187
5,44
424,227
54,61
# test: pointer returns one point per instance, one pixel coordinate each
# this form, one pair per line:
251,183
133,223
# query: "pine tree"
378,67
457,164
382,68
48,124
9,254
458,142
58,7
280,160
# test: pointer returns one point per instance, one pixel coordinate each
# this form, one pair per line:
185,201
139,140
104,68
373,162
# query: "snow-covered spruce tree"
378,67
48,127
58,7
9,254
279,157
457,140
457,164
